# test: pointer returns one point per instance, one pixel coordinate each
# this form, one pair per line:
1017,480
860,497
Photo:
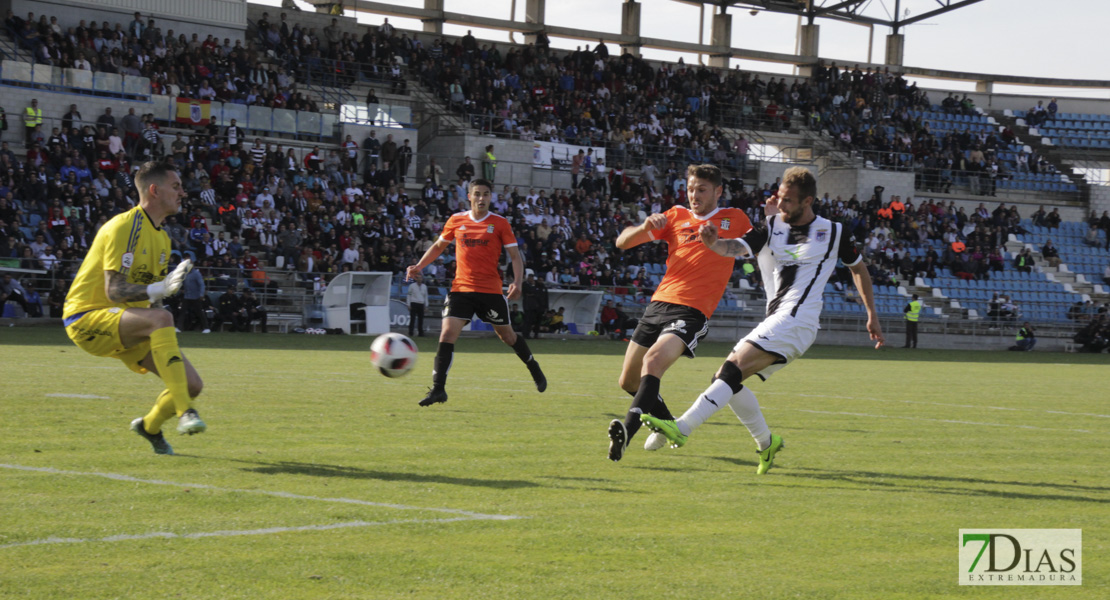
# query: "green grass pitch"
319,478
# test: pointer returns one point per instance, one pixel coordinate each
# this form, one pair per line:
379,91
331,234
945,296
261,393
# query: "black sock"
520,346
646,401
444,355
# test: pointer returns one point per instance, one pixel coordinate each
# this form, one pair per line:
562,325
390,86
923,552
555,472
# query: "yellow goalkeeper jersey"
128,243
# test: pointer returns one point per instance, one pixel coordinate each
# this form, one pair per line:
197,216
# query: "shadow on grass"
321,470
933,484
346,472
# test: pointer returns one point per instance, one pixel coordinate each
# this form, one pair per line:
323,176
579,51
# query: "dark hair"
801,178
480,181
152,172
710,173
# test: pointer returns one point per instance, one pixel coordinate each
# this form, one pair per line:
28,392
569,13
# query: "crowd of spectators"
176,64
346,209
637,111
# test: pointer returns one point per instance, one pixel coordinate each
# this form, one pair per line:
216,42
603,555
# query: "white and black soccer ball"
393,354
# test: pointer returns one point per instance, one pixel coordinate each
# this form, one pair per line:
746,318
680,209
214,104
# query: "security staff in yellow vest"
913,313
32,117
1025,339
489,164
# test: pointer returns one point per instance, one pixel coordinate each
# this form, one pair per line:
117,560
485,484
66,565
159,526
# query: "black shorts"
491,308
687,323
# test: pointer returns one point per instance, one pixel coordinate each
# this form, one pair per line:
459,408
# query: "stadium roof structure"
868,12
864,12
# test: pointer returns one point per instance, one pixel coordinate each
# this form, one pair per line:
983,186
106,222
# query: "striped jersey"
128,243
696,276
478,248
796,263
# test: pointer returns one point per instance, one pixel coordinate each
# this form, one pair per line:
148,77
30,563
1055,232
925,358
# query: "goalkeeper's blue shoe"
667,427
157,440
767,455
189,423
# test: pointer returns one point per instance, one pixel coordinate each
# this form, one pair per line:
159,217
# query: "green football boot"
666,427
767,456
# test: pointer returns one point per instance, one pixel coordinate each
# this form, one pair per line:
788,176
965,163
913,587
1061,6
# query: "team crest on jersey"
489,229
822,234
128,260
725,224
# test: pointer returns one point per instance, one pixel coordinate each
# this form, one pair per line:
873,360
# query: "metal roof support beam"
433,25
630,28
721,39
951,6
535,11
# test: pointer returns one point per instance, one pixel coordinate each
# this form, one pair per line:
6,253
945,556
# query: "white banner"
543,154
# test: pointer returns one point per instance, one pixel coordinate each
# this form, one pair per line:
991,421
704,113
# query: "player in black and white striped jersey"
797,253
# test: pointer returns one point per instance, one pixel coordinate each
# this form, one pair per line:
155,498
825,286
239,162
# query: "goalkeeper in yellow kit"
113,308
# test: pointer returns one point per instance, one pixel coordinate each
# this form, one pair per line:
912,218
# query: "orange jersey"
478,247
697,276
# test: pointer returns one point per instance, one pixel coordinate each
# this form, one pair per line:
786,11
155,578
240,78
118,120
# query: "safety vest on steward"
33,117
915,311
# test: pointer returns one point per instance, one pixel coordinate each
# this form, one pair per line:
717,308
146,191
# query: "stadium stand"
282,215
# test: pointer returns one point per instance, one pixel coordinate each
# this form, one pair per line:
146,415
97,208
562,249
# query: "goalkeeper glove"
171,284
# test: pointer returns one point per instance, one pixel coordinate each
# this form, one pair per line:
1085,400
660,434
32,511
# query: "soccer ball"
393,354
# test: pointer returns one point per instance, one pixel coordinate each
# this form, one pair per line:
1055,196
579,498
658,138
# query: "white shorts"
782,335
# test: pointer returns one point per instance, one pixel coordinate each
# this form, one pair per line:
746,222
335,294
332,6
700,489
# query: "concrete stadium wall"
1100,198
862,183
514,160
56,104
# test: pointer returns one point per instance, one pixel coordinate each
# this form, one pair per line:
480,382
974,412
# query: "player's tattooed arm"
118,290
731,248
725,247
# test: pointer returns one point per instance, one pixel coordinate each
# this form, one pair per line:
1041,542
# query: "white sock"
709,402
747,410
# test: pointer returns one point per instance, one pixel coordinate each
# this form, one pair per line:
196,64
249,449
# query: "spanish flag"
193,112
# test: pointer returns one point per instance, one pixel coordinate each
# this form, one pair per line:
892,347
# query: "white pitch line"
229,533
289,495
81,396
855,414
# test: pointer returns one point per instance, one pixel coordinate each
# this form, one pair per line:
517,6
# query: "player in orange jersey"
479,237
678,316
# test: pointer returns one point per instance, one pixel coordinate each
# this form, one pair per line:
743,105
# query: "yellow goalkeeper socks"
162,410
171,367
